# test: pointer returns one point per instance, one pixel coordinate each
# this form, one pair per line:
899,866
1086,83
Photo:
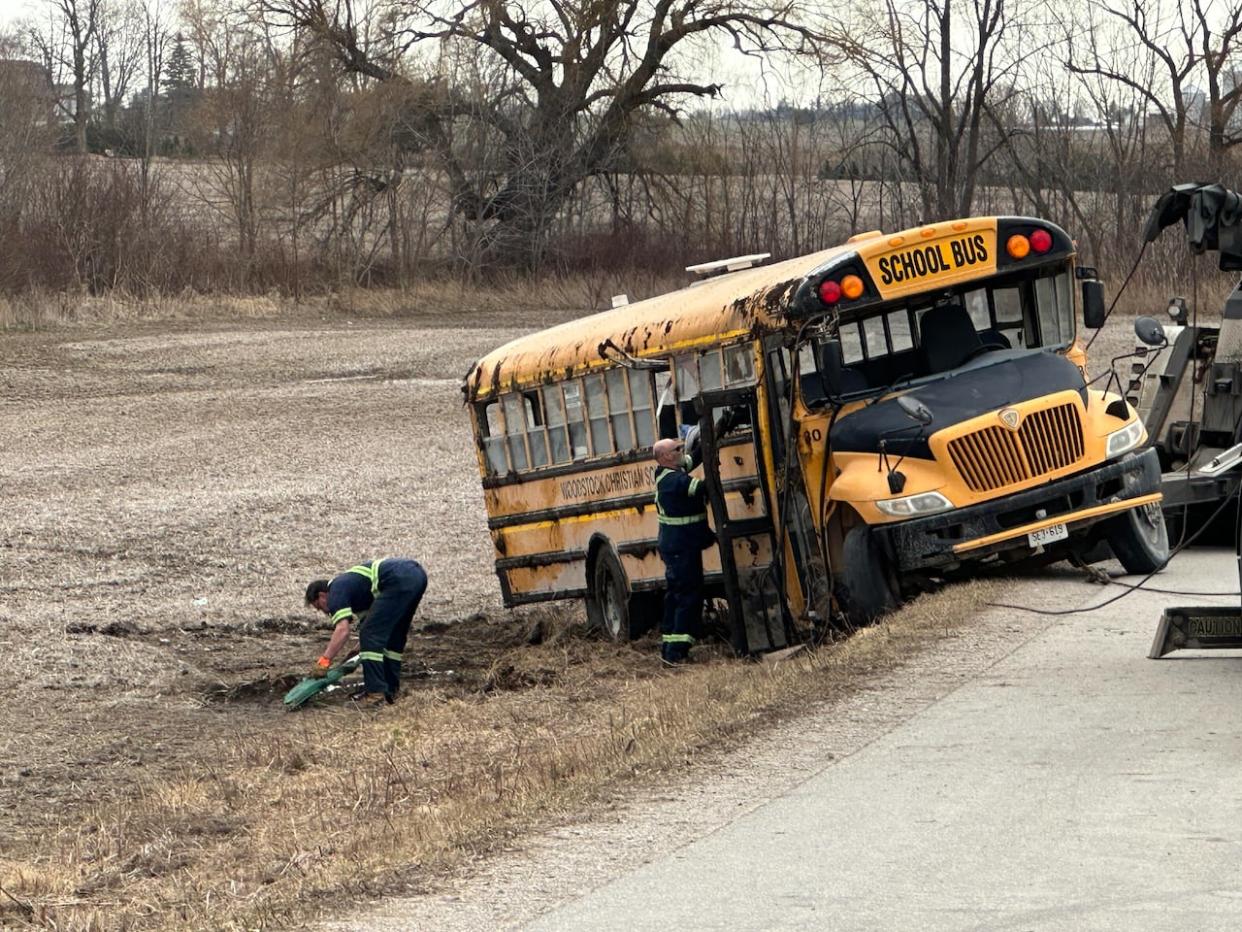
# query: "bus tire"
1139,538
609,602
866,587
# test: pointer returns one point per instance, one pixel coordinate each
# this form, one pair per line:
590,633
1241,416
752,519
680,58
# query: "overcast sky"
11,10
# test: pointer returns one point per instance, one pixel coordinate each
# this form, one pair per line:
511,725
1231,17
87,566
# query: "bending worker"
682,509
383,595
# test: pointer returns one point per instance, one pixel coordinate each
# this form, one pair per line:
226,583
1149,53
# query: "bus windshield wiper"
892,386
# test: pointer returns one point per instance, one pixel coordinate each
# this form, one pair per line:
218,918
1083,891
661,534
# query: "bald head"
668,453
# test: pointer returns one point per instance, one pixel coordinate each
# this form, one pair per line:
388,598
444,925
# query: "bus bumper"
1003,524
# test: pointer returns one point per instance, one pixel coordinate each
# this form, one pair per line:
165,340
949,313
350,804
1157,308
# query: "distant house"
26,87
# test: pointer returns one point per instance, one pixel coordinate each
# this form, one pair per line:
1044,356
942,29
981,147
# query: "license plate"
1048,535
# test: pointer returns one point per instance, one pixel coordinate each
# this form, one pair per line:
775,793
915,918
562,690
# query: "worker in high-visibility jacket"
681,507
383,596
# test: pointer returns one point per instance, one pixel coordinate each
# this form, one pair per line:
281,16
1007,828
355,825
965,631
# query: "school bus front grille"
995,457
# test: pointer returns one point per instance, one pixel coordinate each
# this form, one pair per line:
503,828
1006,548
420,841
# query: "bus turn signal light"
1041,241
829,291
852,287
1018,246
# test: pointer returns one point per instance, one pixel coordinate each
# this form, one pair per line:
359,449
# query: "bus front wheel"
1139,539
866,585
608,605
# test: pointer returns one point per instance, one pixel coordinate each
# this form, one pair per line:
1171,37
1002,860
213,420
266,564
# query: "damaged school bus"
872,416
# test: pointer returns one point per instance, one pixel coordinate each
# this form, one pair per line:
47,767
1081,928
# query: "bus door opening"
742,514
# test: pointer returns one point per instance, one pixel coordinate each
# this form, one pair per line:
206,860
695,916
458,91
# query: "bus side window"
1055,310
597,414
492,428
515,430
687,390
666,406
558,433
576,417
640,402
709,371
739,365
536,433
619,409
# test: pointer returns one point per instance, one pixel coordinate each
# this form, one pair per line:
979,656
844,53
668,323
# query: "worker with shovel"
383,595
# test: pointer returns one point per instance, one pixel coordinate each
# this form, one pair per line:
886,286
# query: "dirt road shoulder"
657,817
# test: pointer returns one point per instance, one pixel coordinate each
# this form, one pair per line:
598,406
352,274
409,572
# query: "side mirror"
915,410
1093,310
1148,330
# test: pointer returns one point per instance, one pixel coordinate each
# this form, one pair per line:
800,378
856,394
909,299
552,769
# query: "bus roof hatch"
707,270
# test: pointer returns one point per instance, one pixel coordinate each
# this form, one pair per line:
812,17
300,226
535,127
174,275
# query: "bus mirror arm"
922,416
610,351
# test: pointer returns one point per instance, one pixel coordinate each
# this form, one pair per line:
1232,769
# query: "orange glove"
320,668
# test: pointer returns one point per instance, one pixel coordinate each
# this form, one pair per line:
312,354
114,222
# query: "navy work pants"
382,638
683,601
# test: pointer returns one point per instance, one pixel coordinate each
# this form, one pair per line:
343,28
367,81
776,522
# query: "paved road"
1074,784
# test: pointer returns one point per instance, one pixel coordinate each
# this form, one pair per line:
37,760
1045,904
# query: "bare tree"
119,47
155,38
232,122
1148,47
67,45
934,67
579,74
1217,29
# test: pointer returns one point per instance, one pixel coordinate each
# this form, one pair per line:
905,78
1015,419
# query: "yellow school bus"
873,417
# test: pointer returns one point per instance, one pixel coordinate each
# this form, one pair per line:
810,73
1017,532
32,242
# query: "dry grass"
544,300
339,805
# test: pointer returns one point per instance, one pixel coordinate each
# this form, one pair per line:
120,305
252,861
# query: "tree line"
302,145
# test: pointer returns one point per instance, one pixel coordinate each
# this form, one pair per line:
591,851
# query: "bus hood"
953,398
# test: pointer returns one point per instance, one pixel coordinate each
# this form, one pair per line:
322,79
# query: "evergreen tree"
179,72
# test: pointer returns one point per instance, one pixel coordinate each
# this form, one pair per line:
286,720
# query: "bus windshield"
928,334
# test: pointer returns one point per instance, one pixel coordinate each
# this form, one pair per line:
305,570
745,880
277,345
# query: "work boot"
366,700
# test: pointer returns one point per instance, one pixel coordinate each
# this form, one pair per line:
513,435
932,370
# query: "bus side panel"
542,528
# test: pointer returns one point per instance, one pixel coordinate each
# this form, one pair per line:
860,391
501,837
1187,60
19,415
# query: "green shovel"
313,686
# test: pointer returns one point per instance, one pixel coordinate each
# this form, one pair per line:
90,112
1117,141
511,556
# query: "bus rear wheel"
1139,539
866,585
608,605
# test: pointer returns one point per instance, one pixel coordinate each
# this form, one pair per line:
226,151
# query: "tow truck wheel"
866,587
1140,539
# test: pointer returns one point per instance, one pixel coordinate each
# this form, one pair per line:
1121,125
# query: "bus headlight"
1124,440
925,503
